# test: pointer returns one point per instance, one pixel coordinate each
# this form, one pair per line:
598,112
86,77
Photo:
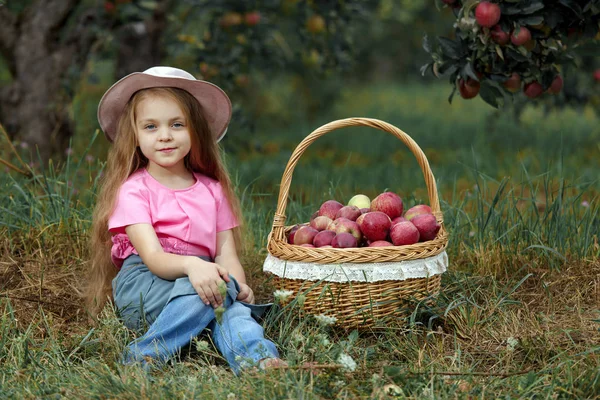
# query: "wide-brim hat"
213,99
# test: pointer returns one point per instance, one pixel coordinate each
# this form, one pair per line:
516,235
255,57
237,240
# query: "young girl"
165,232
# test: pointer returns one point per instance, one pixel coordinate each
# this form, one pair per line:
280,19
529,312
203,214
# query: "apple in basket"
360,201
330,208
292,233
323,238
389,203
427,226
350,212
305,235
375,225
417,210
342,224
343,240
380,243
398,219
404,233
320,223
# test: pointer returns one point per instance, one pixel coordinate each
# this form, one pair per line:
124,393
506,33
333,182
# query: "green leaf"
576,8
447,68
452,94
533,7
469,71
499,52
426,44
450,48
531,20
491,94
425,68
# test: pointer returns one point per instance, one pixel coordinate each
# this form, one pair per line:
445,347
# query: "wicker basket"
366,303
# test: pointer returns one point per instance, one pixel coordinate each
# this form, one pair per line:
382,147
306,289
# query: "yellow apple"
360,201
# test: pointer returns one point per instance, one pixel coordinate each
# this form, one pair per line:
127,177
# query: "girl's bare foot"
272,363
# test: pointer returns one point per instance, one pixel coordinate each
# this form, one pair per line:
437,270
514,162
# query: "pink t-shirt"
186,221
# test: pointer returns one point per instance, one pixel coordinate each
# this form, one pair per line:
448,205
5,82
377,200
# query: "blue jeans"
238,337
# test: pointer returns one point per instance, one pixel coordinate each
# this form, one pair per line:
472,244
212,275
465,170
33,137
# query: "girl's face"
162,133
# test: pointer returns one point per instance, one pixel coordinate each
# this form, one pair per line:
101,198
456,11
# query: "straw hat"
213,99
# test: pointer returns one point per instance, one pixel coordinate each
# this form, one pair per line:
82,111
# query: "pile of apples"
366,223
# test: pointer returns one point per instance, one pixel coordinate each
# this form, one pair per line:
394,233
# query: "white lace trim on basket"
357,272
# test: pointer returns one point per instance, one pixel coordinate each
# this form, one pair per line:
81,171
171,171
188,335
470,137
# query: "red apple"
513,83
427,226
389,203
330,208
364,210
323,238
307,245
305,235
487,14
597,75
499,36
380,243
343,240
342,224
398,219
109,7
252,18
350,212
320,223
417,210
292,233
533,89
314,215
404,233
520,36
468,89
375,225
556,86
360,218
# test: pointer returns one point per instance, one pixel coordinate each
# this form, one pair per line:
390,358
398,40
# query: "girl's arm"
164,265
227,255
204,276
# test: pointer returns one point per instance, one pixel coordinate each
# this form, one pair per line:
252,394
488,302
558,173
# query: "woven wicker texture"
358,304
380,298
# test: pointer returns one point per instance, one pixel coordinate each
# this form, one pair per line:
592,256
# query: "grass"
519,311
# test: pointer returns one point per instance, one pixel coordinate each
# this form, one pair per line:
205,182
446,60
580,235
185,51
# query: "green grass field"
519,310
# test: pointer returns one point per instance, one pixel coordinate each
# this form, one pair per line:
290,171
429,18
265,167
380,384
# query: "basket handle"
286,179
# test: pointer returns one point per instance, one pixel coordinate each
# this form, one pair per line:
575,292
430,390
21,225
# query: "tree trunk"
45,51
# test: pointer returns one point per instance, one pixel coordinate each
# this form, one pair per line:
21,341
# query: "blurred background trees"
59,56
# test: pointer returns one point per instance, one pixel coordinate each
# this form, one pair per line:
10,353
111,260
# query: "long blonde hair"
124,158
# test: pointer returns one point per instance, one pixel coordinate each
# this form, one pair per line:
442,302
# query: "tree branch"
8,35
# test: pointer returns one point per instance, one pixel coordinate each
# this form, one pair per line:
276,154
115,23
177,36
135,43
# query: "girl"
165,231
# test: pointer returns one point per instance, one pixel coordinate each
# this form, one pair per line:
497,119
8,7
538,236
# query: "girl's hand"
205,277
246,294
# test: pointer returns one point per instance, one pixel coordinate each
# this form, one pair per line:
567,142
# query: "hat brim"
213,99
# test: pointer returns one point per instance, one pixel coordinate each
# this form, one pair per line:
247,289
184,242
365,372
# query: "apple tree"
504,47
46,44
226,41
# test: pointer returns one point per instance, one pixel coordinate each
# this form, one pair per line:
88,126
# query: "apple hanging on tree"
487,14
468,89
520,36
533,89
